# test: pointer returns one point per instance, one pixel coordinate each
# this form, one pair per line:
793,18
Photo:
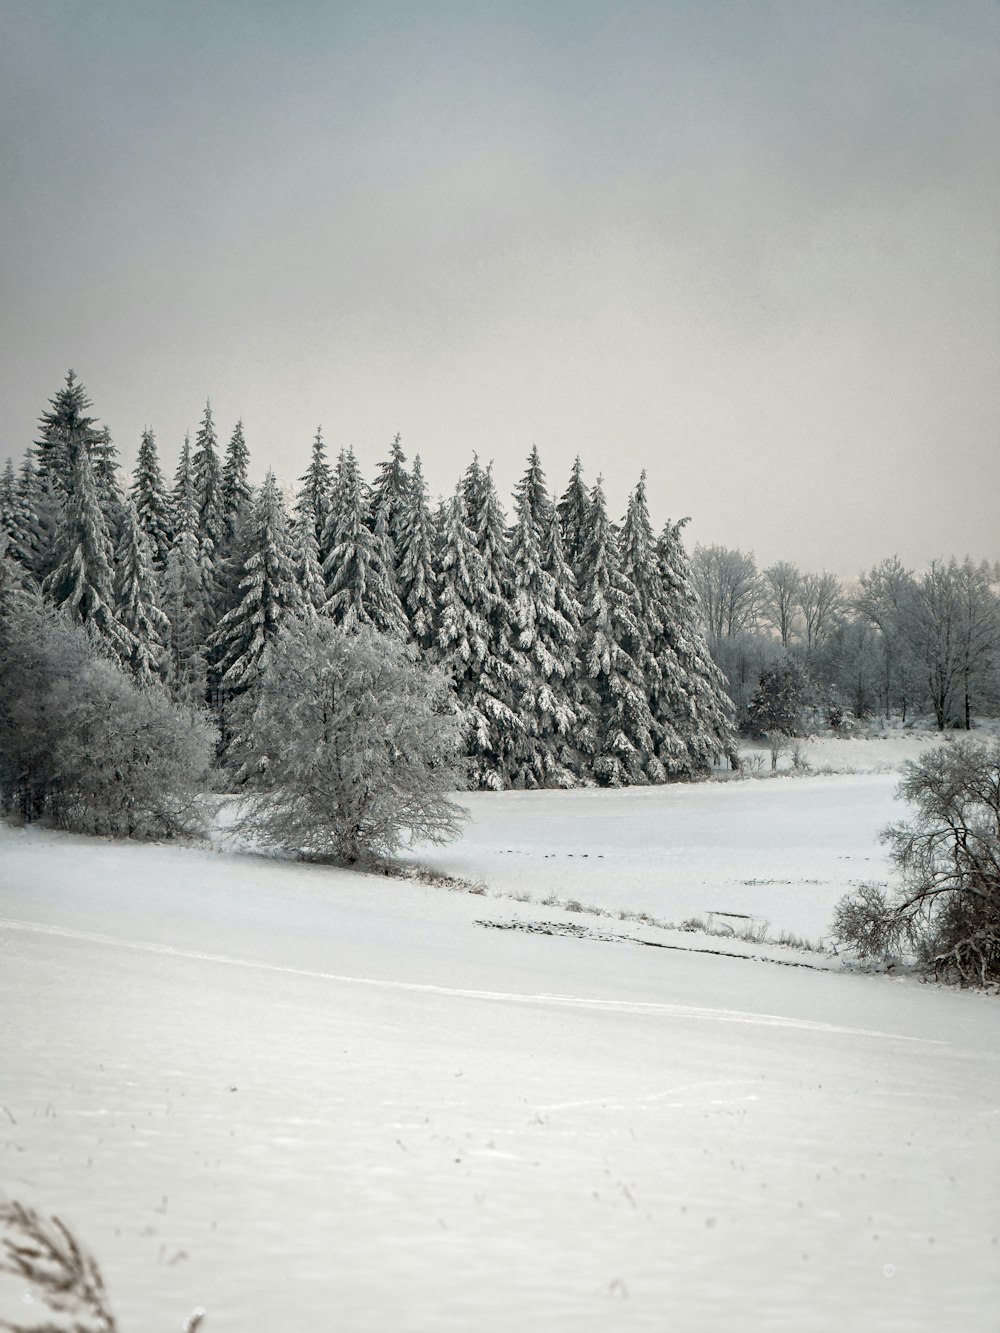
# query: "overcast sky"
750,247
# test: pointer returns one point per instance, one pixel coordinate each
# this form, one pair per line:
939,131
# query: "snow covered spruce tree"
545,635
235,490
574,520
28,537
416,579
688,698
304,550
81,579
642,636
462,648
353,745
389,493
67,429
360,583
269,593
11,528
184,597
618,732
475,628
315,489
152,503
137,602
206,477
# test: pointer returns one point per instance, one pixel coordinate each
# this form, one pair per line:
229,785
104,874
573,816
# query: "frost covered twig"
44,1253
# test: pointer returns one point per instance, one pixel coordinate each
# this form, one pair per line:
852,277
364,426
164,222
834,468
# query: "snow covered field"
308,1099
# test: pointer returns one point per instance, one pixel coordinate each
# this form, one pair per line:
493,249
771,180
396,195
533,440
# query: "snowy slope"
313,1100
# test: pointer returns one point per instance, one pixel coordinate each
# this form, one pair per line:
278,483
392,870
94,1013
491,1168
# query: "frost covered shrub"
352,746
947,910
82,744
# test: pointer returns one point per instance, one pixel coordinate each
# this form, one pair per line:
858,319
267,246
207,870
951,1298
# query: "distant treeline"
894,643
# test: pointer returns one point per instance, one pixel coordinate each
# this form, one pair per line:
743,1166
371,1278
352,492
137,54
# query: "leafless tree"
819,598
780,586
884,598
947,906
979,619
729,587
936,632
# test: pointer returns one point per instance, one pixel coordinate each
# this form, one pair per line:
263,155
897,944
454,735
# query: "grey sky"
751,247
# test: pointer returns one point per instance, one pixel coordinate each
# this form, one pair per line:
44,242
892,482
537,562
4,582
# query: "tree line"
893,643
574,644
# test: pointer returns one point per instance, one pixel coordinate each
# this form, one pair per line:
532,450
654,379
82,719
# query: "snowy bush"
947,910
351,744
82,744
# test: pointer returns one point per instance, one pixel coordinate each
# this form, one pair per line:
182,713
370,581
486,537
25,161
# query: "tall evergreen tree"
567,605
104,456
152,503
305,561
360,584
137,601
644,639
8,507
416,578
269,590
81,579
183,600
28,541
574,520
619,730
184,596
66,429
236,491
502,668
493,728
184,500
544,636
315,490
689,698
389,495
207,474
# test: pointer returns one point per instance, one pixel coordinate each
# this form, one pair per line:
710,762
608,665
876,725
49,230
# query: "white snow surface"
308,1099
781,851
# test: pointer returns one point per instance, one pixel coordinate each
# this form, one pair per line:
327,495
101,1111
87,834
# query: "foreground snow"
308,1099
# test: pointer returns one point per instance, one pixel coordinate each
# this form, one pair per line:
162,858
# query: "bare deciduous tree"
947,909
885,598
729,587
819,599
780,585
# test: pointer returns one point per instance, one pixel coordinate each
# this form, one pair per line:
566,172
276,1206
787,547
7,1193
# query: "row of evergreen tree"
575,644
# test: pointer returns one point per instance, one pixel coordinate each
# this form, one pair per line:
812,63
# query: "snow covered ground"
309,1099
780,852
